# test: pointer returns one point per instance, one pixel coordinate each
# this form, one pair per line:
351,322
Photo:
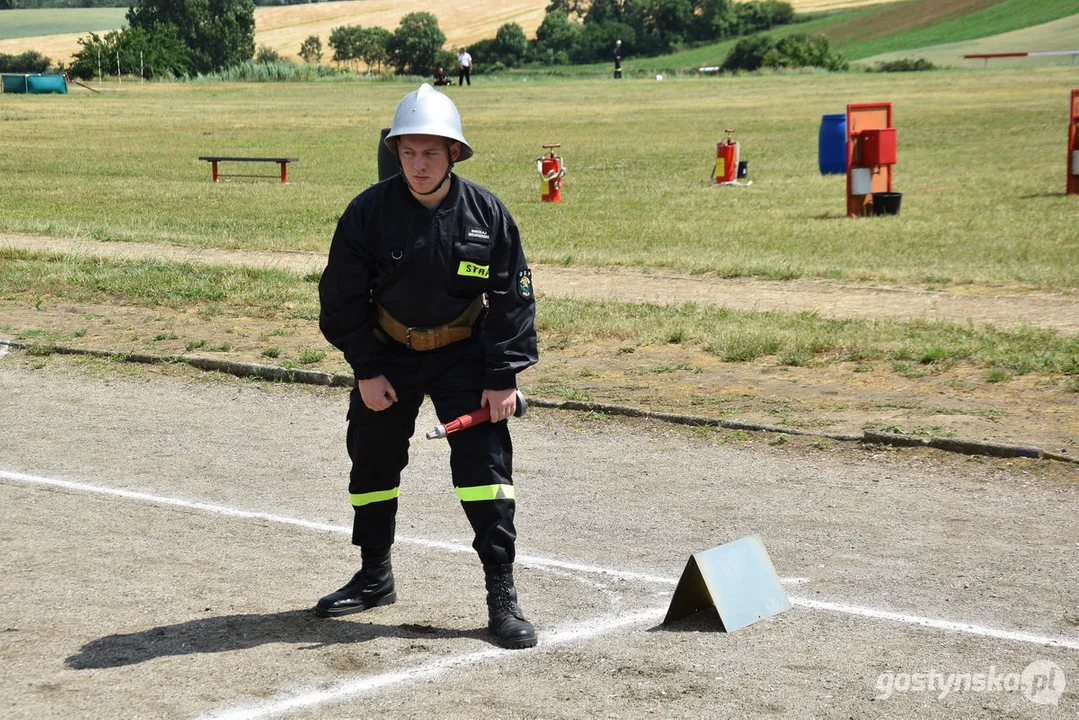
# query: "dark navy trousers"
481,456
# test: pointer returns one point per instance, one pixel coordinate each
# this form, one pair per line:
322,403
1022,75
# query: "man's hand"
503,403
377,393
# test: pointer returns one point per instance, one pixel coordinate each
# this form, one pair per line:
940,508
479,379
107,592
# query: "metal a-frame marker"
737,578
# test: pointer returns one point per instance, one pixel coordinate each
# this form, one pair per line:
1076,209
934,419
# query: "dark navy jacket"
425,267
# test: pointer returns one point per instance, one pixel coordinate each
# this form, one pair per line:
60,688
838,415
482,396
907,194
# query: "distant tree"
338,44
484,56
800,50
447,60
416,42
510,44
8,4
602,11
217,33
751,17
660,24
345,42
557,32
266,54
712,20
748,53
30,61
568,7
159,53
311,50
596,41
373,47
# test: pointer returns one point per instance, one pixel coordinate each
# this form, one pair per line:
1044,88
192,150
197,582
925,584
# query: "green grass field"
54,21
981,166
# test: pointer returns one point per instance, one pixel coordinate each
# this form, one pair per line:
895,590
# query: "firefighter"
426,292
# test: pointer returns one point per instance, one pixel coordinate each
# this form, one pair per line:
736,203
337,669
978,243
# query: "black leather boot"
507,622
371,587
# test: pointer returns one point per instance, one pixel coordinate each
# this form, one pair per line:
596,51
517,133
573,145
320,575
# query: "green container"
14,83
34,84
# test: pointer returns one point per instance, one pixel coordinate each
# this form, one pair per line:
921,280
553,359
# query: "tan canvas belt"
431,338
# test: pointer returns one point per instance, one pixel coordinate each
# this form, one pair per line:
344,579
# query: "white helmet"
428,112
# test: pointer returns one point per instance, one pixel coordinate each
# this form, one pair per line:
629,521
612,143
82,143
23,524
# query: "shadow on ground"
240,632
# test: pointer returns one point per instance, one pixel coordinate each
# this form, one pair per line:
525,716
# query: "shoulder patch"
524,284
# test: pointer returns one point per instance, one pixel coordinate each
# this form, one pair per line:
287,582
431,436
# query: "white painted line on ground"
527,560
357,686
173,502
936,623
861,611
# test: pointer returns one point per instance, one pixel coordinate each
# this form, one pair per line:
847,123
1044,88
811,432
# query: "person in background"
464,63
427,292
441,78
617,59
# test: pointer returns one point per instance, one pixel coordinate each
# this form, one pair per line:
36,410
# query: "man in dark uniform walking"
427,292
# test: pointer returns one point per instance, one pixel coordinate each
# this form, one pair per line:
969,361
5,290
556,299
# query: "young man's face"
425,160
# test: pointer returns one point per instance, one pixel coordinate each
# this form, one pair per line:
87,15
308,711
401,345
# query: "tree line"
180,38
173,38
578,31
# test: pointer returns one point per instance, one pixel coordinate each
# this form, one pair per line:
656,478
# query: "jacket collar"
447,203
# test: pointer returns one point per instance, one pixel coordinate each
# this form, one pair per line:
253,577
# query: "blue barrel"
832,144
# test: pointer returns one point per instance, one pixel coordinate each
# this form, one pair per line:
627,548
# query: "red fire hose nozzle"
472,418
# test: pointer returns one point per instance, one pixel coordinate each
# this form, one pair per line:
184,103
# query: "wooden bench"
215,159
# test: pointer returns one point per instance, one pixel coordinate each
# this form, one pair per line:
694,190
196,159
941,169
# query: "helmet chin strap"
449,170
432,192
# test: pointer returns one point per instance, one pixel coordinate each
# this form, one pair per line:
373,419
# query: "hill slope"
924,23
862,29
55,32
1060,34
284,28
948,29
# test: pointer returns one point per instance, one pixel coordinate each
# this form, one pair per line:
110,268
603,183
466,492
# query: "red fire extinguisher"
551,171
726,159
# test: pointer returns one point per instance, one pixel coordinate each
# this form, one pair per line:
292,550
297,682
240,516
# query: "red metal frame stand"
869,132
1073,145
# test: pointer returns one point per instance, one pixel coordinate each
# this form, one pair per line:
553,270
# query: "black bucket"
886,203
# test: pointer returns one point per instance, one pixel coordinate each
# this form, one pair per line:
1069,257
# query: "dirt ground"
844,399
165,533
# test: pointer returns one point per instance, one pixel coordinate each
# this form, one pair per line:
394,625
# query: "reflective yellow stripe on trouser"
485,492
361,499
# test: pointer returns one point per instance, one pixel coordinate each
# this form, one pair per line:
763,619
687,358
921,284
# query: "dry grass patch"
59,48
284,28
